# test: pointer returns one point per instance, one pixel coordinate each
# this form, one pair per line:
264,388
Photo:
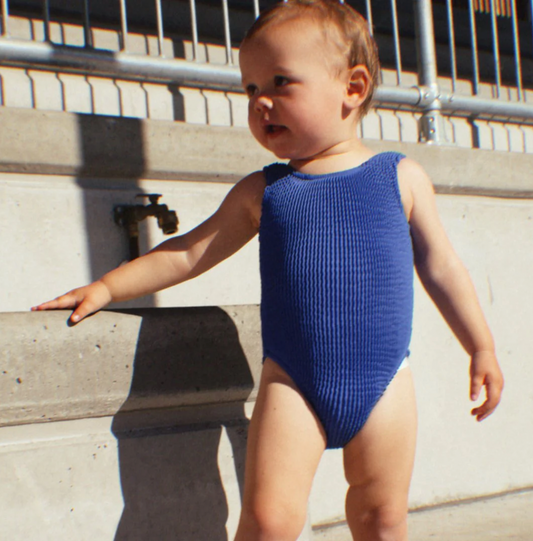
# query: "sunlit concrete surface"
492,519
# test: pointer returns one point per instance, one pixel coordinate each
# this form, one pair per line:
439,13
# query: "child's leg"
378,463
285,443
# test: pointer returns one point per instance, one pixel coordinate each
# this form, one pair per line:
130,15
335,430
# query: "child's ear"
359,85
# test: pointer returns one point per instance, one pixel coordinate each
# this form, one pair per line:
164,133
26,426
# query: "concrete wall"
112,425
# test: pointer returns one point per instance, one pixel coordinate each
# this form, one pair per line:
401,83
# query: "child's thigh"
378,461
285,443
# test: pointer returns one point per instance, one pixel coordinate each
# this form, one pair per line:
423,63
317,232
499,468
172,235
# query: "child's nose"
263,102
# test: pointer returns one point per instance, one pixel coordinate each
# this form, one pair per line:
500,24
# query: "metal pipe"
395,95
227,36
451,37
123,26
369,19
87,25
46,20
473,35
517,56
396,34
194,28
487,108
5,18
496,47
130,66
432,126
48,56
160,35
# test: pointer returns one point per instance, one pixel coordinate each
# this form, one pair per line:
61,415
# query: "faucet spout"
129,217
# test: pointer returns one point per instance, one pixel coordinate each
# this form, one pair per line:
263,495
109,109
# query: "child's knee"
273,522
387,519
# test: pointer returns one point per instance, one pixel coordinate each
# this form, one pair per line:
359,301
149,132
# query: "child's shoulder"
412,173
247,195
414,184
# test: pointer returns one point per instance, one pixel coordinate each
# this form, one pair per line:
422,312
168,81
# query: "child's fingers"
69,300
483,411
494,391
85,309
85,300
476,383
485,372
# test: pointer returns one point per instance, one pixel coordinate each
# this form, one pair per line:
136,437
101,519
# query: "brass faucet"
129,217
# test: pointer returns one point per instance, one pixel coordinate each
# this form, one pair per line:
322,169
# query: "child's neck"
346,155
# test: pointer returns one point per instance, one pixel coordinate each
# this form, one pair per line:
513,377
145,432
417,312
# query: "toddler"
340,231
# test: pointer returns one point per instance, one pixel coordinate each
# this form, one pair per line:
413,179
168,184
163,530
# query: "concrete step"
490,519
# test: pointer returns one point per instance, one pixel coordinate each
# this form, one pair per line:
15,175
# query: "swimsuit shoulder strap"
275,171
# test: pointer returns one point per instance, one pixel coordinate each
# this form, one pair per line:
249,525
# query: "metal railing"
384,17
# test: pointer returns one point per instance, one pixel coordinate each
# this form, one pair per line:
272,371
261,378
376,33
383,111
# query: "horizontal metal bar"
485,108
396,95
453,103
120,65
39,55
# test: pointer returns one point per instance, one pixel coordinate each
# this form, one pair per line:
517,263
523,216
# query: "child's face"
297,98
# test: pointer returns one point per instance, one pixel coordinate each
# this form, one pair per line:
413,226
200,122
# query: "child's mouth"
274,129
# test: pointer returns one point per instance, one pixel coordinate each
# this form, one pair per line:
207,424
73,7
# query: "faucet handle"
152,197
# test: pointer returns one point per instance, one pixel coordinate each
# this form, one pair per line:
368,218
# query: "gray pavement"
502,518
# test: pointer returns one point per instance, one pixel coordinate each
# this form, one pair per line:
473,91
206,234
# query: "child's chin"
280,153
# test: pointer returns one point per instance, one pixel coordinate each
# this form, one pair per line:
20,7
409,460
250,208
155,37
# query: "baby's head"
346,35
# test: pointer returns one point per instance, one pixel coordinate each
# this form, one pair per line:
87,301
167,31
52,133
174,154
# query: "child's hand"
485,372
86,300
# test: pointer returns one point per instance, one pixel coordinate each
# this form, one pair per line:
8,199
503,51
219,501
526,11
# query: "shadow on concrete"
110,148
168,439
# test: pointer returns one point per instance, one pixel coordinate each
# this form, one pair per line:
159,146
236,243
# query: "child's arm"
177,259
449,285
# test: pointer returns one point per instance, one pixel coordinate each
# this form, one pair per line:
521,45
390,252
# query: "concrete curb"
128,360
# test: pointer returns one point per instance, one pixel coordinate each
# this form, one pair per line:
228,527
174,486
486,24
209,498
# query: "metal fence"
488,43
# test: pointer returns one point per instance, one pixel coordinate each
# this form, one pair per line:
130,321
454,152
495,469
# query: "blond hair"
342,25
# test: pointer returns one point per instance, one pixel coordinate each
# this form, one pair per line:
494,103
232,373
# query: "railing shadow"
168,438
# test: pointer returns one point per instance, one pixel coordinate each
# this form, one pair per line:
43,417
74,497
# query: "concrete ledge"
128,361
98,146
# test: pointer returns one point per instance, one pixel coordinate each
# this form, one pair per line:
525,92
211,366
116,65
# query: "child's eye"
250,90
279,80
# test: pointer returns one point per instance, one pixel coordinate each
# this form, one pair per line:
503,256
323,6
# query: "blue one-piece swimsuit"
336,265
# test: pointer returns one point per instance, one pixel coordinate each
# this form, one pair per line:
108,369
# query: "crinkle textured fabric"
336,264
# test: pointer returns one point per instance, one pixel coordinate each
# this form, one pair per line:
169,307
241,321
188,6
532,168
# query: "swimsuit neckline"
341,173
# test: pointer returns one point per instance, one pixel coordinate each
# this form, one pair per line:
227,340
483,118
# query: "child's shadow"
168,438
